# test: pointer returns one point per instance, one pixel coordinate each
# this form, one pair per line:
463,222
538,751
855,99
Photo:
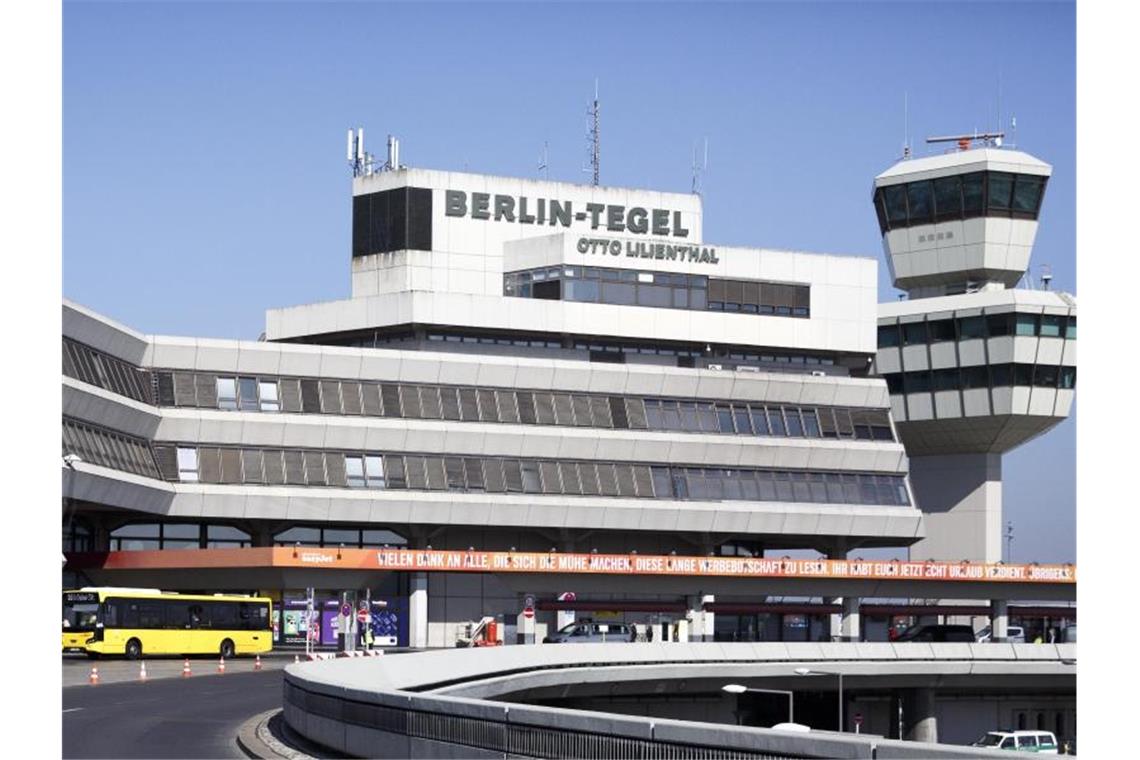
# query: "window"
914,333
973,194
894,198
945,379
972,327
1027,195
188,465
530,477
1051,326
247,394
619,293
1071,329
889,336
974,377
1025,324
1068,378
776,421
354,471
227,393
267,393
941,330
999,189
999,324
948,198
920,202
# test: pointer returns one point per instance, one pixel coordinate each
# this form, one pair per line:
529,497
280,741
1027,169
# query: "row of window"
108,449
184,614
961,196
658,289
982,376
436,402
979,326
104,371
143,536
208,464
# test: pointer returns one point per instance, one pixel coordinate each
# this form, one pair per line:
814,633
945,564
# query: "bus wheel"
134,649
227,649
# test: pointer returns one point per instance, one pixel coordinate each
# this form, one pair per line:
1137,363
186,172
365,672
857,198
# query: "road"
195,717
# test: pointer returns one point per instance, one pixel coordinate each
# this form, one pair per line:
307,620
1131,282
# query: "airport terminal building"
529,368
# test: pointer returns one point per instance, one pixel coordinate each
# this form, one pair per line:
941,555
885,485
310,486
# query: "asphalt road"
194,717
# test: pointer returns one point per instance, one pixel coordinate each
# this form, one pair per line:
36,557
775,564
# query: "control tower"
975,364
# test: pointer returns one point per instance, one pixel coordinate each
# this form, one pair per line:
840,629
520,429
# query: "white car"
1042,742
1015,634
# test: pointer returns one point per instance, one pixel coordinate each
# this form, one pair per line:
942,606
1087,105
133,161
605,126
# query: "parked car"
1015,634
937,633
1042,742
588,631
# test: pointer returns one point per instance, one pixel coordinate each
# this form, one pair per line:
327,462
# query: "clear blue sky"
204,175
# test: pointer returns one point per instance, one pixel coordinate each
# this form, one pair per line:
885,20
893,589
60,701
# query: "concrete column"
849,624
418,610
999,620
700,622
921,723
835,620
960,496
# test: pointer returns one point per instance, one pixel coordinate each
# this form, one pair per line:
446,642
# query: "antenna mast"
544,161
699,168
594,135
359,159
906,128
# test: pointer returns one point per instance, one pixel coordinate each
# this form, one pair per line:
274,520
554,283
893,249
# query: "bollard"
186,668
93,679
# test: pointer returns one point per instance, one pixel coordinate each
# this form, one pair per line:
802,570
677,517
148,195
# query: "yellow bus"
137,622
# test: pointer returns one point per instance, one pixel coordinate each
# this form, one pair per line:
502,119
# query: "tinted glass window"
998,324
948,197
972,193
920,200
942,329
972,327
1000,190
1026,324
619,293
894,198
888,336
1050,326
1027,193
913,333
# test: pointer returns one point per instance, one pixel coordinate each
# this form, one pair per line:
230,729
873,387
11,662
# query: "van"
1042,742
589,632
937,633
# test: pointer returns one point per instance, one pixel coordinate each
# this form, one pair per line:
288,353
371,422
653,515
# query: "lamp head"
734,688
803,671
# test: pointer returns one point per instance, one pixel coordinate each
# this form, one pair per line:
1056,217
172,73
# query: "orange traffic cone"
142,671
186,668
296,659
257,662
94,677
221,664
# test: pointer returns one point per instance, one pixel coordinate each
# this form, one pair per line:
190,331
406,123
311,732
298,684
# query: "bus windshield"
80,612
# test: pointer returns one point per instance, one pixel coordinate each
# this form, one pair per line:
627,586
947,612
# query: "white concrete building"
974,365
521,365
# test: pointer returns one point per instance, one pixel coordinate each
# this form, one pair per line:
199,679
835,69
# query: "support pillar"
922,725
835,620
849,622
700,621
999,620
418,610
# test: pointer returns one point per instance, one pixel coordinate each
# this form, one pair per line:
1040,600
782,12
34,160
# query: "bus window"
198,617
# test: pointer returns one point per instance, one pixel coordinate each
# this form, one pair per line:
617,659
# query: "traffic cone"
221,664
186,668
94,677
257,662
296,659
142,671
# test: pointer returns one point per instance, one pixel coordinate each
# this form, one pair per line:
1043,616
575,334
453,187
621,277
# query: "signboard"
552,212
589,564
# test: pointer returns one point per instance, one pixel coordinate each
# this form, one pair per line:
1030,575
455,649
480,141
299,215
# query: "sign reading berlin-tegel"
659,222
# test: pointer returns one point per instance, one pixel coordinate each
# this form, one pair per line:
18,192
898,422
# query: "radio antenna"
594,135
358,159
544,161
906,128
698,168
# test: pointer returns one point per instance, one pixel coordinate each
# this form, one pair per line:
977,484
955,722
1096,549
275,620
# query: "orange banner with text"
597,564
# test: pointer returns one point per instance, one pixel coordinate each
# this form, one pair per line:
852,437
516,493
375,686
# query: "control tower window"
895,199
973,193
948,198
1027,195
999,190
920,201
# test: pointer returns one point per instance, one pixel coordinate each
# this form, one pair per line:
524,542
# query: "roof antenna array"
360,160
544,161
699,168
965,142
594,136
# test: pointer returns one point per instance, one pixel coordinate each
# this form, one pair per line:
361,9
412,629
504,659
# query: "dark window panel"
430,407
206,391
973,194
310,397
948,198
468,405
544,408
291,394
920,202
563,409
493,474
488,411
941,330
165,382
588,476
525,401
618,412
251,466
315,468
410,402
600,412
635,413
330,396
370,399
972,327
165,456
473,470
571,484
436,474
415,473
531,479
914,333
350,397
335,469
512,474
551,482
210,465
894,199
273,467
625,482
449,403
394,471
607,479
507,406
582,414
999,188
390,396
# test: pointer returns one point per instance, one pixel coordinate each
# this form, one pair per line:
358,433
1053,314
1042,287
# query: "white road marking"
73,709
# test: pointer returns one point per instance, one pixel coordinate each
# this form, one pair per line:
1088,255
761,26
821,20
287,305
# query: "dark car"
938,633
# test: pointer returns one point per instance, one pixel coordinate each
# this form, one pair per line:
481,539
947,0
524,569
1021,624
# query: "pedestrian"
1038,639
368,635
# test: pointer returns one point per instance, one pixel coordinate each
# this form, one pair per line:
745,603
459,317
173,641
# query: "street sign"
346,610
362,615
528,612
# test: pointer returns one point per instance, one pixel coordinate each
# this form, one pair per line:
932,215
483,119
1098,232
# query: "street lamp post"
69,461
810,672
738,689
